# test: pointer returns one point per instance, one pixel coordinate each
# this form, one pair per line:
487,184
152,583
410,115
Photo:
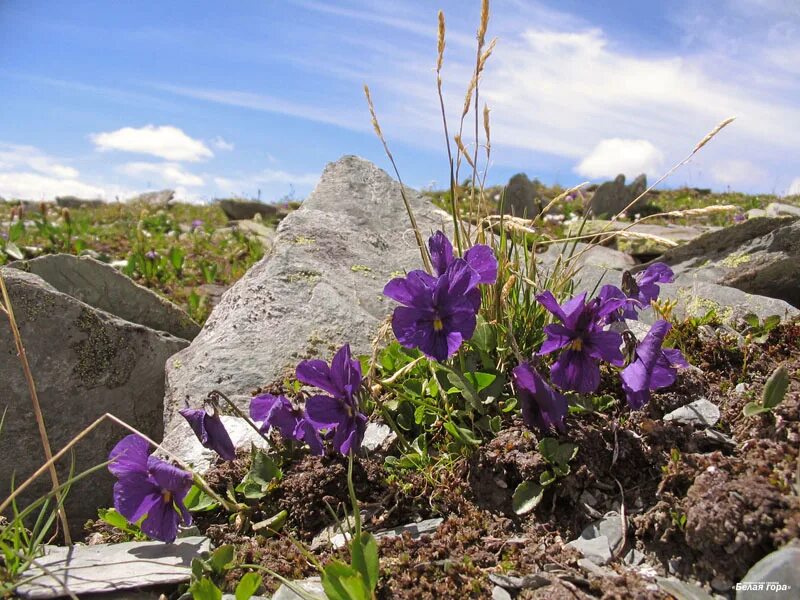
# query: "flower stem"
216,395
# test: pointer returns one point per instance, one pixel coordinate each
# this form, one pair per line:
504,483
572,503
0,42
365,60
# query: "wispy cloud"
166,141
221,144
167,173
14,156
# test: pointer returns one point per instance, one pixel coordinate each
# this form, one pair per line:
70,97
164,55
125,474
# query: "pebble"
699,412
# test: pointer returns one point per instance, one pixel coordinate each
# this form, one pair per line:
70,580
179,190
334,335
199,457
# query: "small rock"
682,590
499,593
511,582
634,558
779,567
778,209
311,585
595,549
104,568
332,535
592,568
755,213
378,436
740,388
699,412
155,199
416,530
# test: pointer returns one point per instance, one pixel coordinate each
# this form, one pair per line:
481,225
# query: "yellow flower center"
437,324
577,344
166,496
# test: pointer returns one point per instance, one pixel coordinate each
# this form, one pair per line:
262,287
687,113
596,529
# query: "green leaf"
113,518
466,388
247,586
13,251
752,409
204,589
775,388
526,497
462,435
271,526
546,478
480,380
771,322
198,501
332,575
198,568
256,483
364,553
751,319
557,453
221,558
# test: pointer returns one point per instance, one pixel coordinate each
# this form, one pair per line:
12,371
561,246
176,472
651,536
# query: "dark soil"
698,507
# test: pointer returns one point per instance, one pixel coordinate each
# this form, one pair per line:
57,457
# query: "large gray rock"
694,298
155,199
779,209
121,570
85,362
522,197
102,286
239,210
759,256
613,197
777,575
75,202
319,287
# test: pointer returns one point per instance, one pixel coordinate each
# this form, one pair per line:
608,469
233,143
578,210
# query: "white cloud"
613,156
166,142
794,187
168,173
736,172
222,144
28,157
34,186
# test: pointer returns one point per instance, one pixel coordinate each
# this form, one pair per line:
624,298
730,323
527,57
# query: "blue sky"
107,99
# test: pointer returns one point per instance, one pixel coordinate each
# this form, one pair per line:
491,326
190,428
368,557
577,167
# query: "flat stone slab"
777,575
310,585
699,412
108,568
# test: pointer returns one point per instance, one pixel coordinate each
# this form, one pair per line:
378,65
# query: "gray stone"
527,582
73,202
759,256
600,539
682,590
238,210
755,213
781,567
310,585
320,286
699,412
266,235
154,199
641,239
188,448
634,558
612,197
779,209
85,362
106,568
378,437
589,254
499,593
415,530
522,197
100,285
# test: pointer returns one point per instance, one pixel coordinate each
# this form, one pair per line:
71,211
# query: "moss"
697,306
736,259
104,357
309,276
360,269
302,240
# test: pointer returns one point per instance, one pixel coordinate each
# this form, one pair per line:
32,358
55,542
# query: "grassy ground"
175,251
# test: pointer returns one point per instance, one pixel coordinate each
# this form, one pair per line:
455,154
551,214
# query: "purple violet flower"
647,280
210,431
581,339
147,485
439,313
277,412
151,254
652,368
739,218
340,410
197,224
626,311
542,406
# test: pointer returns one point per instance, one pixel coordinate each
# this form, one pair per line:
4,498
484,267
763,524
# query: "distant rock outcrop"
240,210
612,197
160,199
75,202
522,197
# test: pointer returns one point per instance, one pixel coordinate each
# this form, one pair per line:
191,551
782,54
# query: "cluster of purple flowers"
582,340
439,313
152,488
